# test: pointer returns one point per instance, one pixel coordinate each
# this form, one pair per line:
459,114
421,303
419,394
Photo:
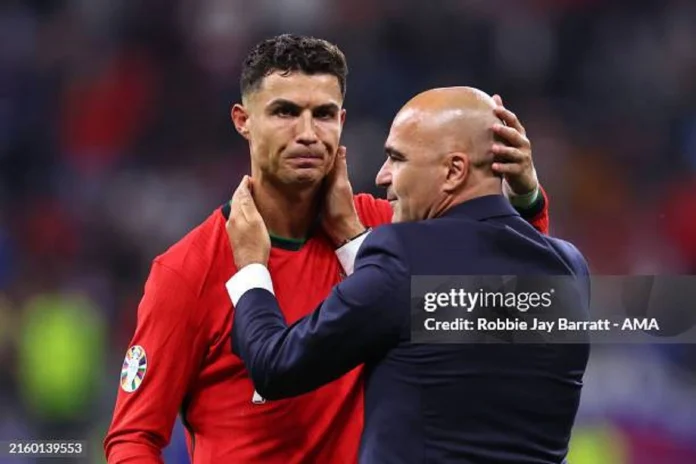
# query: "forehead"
408,131
303,89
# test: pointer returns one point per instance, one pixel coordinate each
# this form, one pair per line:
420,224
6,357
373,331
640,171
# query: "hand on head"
513,153
447,145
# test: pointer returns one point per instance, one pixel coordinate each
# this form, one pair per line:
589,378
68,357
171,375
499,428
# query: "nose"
384,177
306,135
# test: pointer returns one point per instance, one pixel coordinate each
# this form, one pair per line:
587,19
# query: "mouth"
306,159
305,155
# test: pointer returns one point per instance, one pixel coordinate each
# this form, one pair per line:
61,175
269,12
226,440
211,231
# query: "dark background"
115,140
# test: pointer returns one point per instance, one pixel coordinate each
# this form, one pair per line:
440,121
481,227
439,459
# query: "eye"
285,111
325,113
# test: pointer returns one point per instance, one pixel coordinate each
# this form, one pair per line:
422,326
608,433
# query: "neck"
481,188
287,211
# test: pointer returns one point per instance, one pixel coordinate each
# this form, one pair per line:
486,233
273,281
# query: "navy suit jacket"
440,403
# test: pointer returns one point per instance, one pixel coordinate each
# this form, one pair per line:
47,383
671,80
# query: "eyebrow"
391,151
281,102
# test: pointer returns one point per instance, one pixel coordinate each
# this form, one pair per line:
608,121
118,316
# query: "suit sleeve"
361,319
169,336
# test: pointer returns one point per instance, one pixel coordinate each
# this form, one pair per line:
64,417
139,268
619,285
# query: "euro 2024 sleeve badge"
133,369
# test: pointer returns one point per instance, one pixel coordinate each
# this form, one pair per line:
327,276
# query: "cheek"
271,139
331,160
416,187
329,132
402,181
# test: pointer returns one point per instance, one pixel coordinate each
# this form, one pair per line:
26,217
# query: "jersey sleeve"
538,214
164,354
372,211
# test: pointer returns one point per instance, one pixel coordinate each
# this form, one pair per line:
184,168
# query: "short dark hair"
288,53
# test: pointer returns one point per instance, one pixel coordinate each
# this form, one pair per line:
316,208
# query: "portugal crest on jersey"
133,369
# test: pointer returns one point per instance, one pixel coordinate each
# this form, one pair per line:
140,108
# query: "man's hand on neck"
287,213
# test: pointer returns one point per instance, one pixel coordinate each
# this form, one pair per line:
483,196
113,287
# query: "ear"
457,165
343,117
240,119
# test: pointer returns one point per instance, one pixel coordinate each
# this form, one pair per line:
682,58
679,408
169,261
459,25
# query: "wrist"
343,231
347,252
523,201
348,234
241,261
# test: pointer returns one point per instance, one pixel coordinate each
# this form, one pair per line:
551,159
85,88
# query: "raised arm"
361,319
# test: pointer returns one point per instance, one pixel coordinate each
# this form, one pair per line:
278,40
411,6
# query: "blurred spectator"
61,362
115,140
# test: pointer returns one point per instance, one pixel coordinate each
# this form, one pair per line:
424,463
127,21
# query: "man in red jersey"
180,359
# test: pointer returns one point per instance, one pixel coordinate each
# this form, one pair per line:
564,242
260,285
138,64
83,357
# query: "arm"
513,161
360,320
535,210
534,207
143,418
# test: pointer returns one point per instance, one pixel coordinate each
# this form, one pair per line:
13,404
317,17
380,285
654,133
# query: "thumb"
246,186
341,167
498,101
242,198
242,189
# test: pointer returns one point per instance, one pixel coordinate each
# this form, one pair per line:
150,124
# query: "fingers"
512,136
340,169
508,169
512,151
241,192
341,165
243,202
509,161
505,154
510,119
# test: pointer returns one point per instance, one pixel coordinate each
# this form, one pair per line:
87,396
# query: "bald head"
451,98
452,119
439,152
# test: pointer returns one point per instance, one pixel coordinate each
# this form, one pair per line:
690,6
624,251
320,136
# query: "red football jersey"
180,360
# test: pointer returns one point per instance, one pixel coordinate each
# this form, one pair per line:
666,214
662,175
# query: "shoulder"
418,233
392,240
372,211
383,249
571,254
384,237
190,272
196,253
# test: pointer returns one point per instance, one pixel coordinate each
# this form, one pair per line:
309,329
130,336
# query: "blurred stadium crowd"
115,141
